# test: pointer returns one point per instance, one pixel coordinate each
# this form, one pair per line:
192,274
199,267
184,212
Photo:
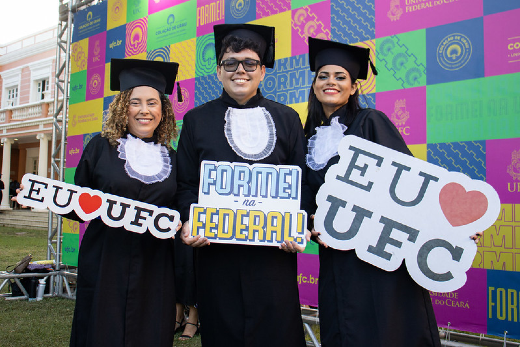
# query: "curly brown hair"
116,124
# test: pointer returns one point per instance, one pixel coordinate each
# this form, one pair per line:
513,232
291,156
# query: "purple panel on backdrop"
308,272
96,50
503,168
268,8
466,308
74,150
188,98
395,17
136,37
209,13
82,228
95,83
502,43
314,21
156,6
406,108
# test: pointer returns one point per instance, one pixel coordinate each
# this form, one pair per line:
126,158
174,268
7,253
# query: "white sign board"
255,204
391,207
115,211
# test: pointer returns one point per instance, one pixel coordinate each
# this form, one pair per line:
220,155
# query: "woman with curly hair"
125,288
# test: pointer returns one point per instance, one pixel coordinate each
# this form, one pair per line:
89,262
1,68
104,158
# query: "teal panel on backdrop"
401,61
473,110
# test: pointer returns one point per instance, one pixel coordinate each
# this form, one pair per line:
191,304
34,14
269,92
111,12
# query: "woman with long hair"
360,304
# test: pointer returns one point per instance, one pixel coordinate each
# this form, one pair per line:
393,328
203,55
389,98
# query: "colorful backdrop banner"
449,72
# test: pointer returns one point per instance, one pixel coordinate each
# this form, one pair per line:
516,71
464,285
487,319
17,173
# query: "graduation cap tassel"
179,92
372,66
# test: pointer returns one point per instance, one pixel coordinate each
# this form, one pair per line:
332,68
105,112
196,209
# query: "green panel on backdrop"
312,248
77,87
472,110
69,175
70,249
175,24
401,61
301,3
136,9
205,61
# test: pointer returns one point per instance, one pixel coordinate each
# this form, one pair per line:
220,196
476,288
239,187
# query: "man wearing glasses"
247,295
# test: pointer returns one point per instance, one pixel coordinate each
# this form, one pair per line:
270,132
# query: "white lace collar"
146,162
324,144
250,132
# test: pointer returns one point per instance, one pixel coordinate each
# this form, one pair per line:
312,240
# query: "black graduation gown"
247,295
125,289
360,304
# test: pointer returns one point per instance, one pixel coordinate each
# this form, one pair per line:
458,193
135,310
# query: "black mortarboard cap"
130,73
354,59
262,34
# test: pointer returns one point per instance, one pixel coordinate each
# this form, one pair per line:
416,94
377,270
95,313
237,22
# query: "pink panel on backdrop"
308,272
74,150
502,43
82,228
209,13
466,308
406,108
95,83
96,50
159,5
395,17
268,8
188,98
314,21
503,168
136,37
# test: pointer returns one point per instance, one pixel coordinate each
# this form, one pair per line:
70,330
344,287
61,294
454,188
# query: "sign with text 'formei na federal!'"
255,204
391,207
115,211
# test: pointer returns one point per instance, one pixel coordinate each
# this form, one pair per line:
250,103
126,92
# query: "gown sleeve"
187,171
379,129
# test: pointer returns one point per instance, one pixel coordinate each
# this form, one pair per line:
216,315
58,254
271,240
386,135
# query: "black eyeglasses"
231,65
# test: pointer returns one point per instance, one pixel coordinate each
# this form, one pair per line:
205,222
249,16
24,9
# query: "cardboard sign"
391,207
115,211
255,204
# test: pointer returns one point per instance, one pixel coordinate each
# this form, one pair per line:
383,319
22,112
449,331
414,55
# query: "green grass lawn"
37,323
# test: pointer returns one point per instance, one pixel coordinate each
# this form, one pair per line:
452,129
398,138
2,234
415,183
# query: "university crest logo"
400,114
395,11
514,168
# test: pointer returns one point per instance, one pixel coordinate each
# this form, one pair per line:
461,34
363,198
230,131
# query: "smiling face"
241,85
144,112
333,87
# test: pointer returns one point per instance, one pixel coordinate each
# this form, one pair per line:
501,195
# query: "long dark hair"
316,116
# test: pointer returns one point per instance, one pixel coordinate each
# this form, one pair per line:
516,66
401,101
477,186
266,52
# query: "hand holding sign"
255,204
114,211
391,207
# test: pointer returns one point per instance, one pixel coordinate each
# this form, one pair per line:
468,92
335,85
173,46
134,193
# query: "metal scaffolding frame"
59,134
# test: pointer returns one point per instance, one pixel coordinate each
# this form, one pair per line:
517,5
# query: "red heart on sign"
89,203
461,207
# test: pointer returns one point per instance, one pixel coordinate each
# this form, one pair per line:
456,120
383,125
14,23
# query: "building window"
42,89
12,96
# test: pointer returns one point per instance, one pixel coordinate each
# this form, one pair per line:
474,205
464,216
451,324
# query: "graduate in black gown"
125,288
360,304
247,295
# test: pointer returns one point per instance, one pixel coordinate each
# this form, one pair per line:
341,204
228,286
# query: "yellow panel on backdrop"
116,13
70,226
301,108
282,32
108,92
79,56
419,151
85,117
184,54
